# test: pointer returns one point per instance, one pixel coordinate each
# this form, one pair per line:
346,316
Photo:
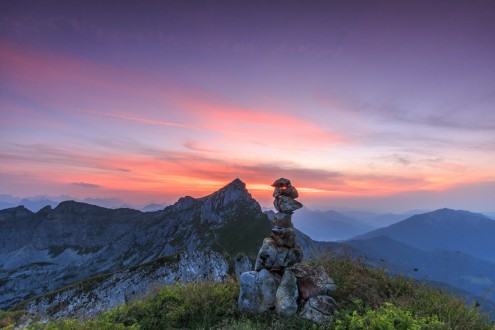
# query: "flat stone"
286,204
287,293
273,256
258,291
284,236
283,220
282,182
319,309
312,281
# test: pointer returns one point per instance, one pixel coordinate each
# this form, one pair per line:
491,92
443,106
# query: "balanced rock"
285,188
258,291
286,204
319,309
284,236
283,220
273,256
287,293
312,281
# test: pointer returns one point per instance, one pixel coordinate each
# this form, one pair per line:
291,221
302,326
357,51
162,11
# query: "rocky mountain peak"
233,192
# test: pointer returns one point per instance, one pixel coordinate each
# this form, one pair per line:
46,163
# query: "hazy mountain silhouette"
447,229
328,225
456,269
379,220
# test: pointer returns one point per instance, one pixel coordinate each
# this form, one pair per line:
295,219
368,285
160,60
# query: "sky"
377,105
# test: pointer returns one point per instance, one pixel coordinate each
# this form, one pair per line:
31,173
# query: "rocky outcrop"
48,250
280,282
90,297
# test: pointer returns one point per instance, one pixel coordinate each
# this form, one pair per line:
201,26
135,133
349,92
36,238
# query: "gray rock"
312,281
242,264
258,291
282,182
46,251
85,299
287,293
319,309
272,256
283,220
286,204
284,236
288,191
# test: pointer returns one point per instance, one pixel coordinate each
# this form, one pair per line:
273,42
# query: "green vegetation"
388,317
9,319
243,234
367,298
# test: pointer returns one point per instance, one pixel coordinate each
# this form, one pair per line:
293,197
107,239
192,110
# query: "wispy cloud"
85,185
147,121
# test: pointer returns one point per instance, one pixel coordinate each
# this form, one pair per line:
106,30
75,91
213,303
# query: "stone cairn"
280,282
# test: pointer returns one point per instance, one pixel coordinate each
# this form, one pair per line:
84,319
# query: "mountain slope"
446,229
456,269
91,296
44,251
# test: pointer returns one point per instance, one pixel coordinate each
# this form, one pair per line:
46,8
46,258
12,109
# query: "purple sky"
383,105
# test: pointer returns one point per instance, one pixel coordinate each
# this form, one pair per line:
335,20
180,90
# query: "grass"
368,299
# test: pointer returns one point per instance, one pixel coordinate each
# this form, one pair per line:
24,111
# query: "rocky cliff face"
45,251
89,297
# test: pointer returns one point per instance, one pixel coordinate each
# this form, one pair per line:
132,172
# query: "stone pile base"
281,283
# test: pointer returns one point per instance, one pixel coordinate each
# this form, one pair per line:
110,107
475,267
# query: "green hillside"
367,298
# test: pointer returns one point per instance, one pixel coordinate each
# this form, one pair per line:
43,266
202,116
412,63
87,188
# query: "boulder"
319,309
312,281
286,204
284,236
258,291
287,293
273,256
242,264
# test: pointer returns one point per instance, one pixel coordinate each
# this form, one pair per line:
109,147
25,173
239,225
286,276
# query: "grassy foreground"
367,298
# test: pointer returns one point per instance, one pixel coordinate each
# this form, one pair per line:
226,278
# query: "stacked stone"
280,281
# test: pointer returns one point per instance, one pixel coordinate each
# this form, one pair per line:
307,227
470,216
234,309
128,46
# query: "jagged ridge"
44,251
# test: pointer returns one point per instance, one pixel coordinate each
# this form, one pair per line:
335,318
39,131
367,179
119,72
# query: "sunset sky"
378,105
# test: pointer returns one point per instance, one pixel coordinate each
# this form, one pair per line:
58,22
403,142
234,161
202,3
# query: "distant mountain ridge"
44,251
36,203
447,229
456,269
328,225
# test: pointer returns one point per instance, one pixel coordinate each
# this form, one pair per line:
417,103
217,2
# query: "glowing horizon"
356,107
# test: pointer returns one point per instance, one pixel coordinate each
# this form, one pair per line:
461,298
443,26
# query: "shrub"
387,317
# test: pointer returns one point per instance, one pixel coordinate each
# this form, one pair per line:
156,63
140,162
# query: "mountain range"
78,259
36,203
44,251
446,229
95,258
